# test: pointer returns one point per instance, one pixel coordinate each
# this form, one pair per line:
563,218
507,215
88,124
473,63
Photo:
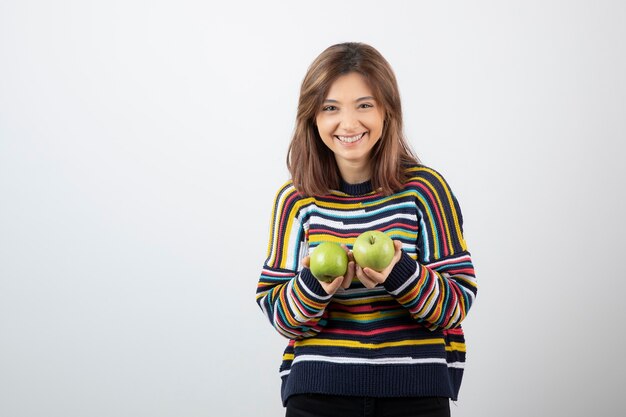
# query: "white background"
141,143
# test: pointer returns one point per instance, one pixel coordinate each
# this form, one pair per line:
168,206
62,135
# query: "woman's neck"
355,173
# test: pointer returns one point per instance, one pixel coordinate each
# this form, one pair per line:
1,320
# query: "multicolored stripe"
408,326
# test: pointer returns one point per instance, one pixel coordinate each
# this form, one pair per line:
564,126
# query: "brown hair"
312,165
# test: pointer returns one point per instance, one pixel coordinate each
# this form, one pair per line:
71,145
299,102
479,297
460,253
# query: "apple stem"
372,240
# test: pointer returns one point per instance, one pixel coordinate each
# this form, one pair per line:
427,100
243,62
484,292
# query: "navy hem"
423,380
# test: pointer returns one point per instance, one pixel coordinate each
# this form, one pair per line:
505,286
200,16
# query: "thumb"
332,287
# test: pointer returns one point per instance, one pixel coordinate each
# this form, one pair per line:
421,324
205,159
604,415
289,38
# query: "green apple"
373,249
328,261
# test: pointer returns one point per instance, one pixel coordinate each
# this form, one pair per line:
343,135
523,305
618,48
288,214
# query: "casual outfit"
399,339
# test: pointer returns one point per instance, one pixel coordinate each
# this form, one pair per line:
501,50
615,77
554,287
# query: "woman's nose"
349,121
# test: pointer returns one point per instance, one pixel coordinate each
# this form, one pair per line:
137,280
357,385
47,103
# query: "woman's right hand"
341,281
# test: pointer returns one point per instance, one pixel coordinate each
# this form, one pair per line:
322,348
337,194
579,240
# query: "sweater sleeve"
288,294
440,286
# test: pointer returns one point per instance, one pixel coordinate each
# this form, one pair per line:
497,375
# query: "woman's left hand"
370,277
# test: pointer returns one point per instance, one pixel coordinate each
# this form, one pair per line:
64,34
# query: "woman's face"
350,121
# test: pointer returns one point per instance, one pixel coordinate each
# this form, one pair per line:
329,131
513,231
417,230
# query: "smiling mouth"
350,139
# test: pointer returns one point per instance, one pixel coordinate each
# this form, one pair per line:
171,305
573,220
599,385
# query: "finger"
365,280
348,251
306,261
351,270
346,283
333,286
368,283
398,246
347,279
374,275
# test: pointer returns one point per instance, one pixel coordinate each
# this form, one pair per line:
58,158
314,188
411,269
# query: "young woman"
376,343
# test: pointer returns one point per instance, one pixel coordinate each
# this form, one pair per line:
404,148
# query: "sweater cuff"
307,278
401,272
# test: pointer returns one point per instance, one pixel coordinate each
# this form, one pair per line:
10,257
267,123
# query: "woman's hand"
339,282
371,278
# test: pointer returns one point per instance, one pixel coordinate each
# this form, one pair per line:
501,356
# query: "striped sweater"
401,338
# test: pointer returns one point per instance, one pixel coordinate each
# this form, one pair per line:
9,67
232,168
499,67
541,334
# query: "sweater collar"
356,189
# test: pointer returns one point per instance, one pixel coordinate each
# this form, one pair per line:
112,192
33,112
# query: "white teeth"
350,139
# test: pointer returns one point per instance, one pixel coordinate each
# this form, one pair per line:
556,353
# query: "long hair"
311,164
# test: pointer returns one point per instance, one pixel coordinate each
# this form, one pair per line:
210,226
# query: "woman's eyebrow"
330,100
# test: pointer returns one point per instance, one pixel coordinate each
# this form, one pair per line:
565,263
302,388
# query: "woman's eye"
365,105
329,108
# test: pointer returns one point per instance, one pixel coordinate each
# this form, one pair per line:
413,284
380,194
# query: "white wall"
141,143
